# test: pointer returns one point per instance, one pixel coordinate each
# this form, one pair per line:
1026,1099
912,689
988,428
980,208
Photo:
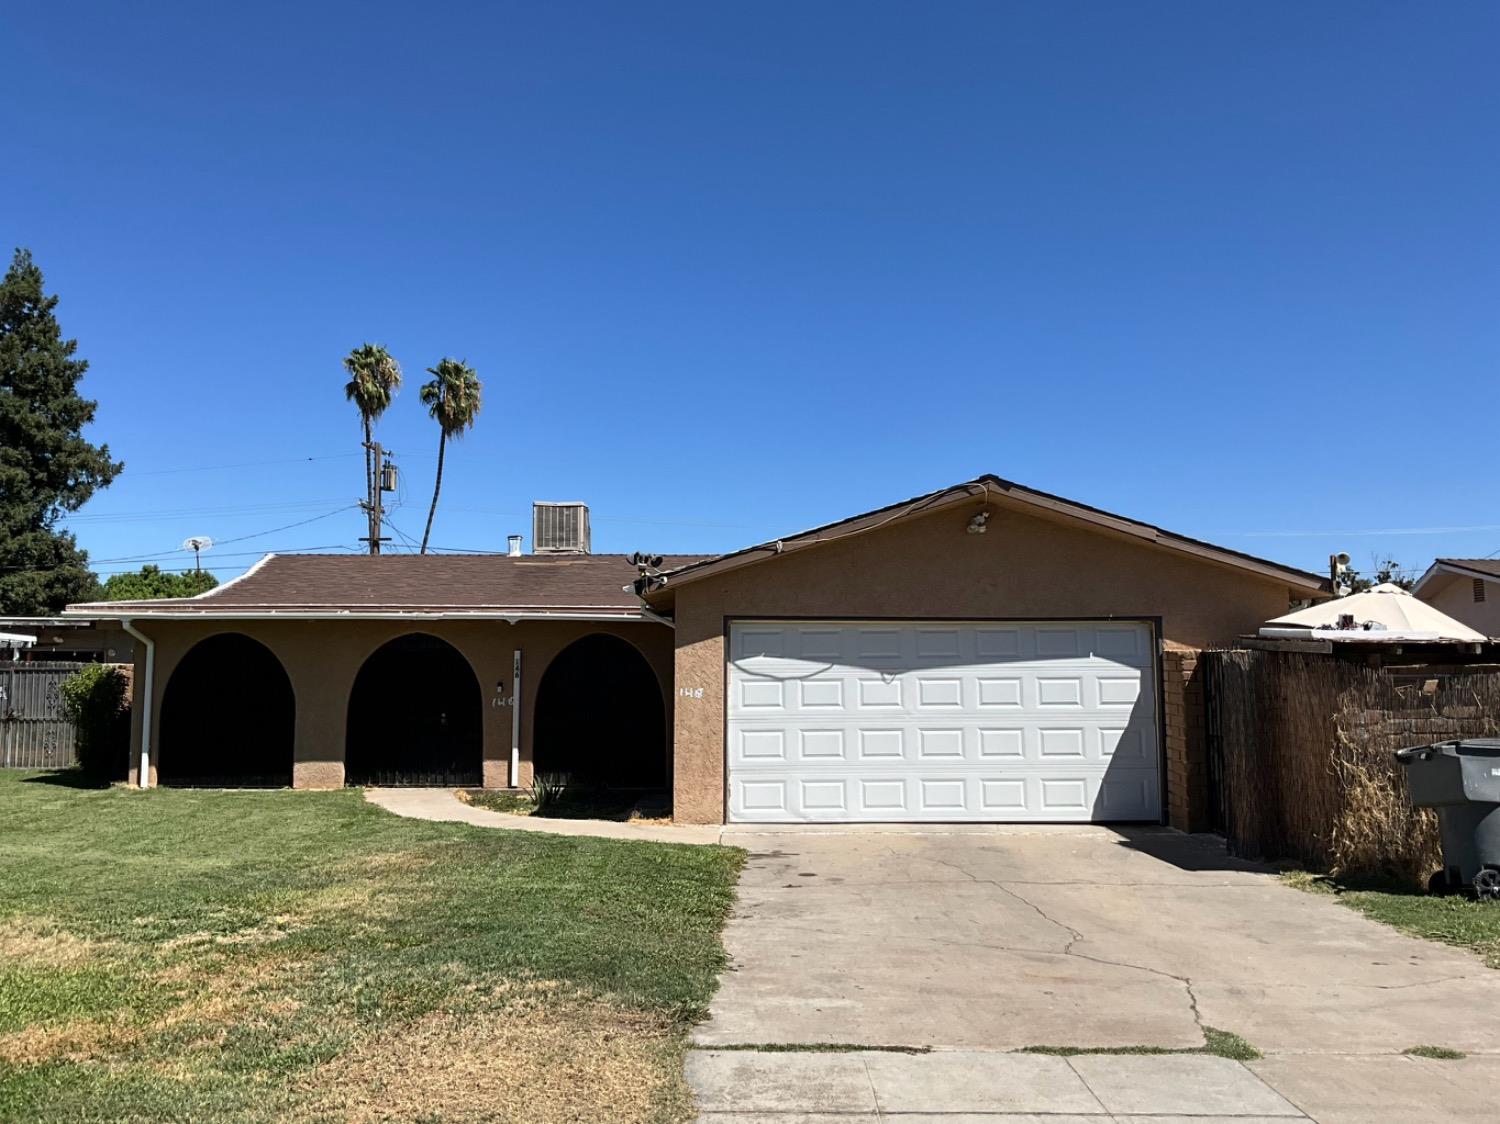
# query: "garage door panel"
760,690
882,646
971,739
965,722
937,797
822,693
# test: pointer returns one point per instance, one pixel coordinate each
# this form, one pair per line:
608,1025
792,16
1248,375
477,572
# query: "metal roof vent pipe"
513,545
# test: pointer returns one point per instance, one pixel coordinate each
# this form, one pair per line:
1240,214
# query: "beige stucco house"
1467,589
985,652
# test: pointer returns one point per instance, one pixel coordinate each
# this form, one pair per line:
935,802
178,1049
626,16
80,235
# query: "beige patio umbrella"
1384,613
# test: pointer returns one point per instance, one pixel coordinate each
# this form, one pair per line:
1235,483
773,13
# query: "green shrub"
96,699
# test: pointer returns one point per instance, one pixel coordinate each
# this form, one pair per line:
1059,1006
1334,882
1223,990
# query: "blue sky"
728,271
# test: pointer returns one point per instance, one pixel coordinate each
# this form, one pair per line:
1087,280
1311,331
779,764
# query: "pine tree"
47,468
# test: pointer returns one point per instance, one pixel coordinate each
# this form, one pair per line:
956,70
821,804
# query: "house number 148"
690,692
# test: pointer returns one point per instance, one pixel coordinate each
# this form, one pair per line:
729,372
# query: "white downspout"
515,722
148,689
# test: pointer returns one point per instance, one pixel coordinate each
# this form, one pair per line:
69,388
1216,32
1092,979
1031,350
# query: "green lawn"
1454,919
178,955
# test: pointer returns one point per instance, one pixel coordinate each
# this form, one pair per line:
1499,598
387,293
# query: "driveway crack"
1075,936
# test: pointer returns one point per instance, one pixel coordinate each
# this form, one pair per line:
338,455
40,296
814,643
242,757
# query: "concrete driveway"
986,941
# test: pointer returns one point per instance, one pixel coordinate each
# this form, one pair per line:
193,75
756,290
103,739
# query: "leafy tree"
452,398
374,378
1386,571
151,583
47,468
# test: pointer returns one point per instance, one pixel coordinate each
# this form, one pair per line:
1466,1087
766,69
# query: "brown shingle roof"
415,583
1478,565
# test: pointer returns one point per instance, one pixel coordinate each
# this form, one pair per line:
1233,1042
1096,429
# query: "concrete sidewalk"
970,1087
443,804
739,1087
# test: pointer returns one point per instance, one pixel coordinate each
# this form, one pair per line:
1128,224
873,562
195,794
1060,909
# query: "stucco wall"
1456,598
322,659
1024,566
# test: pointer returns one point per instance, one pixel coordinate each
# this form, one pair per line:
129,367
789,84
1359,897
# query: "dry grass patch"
371,901
271,929
206,1001
80,1040
539,1058
39,943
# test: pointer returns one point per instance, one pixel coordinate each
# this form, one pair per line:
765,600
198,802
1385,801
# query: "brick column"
1187,743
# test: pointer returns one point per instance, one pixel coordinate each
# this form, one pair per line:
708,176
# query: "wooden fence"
34,731
1300,751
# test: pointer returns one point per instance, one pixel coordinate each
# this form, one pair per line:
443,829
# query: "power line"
131,474
183,512
165,558
221,542
254,554
407,539
516,514
1355,534
289,526
168,555
241,464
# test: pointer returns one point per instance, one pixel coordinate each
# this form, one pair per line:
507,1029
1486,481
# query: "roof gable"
1442,569
1000,490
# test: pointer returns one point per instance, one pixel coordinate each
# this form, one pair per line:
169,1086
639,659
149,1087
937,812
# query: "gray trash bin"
1461,779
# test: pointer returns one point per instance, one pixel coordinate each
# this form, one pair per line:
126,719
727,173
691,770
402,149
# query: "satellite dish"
197,544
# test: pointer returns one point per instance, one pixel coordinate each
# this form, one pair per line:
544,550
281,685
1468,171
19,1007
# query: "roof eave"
116,611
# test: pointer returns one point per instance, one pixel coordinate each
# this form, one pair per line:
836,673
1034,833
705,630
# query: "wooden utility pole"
374,505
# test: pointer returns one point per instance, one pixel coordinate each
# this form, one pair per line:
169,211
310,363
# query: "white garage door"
932,721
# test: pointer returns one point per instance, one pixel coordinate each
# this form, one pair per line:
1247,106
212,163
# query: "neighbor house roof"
1486,569
999,489
359,585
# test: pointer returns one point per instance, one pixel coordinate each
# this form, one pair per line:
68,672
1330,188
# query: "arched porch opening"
415,717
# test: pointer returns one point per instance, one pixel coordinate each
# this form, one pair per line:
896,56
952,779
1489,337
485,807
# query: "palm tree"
452,398
374,378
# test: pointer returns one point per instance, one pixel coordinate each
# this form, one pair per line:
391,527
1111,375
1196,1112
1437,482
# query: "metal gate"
34,731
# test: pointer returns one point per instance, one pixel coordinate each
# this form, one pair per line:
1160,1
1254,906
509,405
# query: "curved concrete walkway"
444,805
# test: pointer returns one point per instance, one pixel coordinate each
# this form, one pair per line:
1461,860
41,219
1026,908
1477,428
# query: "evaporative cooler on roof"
560,528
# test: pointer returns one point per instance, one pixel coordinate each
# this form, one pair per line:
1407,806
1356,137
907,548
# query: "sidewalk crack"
1097,1099
874,1096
